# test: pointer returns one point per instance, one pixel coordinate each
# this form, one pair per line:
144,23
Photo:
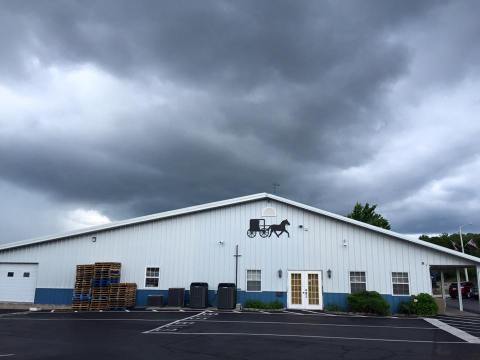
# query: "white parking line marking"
317,324
310,337
459,317
460,321
293,312
14,313
5,355
454,331
175,322
91,319
59,313
470,328
464,326
316,313
322,314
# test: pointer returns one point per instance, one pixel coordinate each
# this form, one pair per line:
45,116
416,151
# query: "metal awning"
458,281
451,267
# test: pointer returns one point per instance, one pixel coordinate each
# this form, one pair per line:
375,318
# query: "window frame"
151,277
400,283
246,280
350,279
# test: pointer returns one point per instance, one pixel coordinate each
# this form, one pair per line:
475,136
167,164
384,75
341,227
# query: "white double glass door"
305,290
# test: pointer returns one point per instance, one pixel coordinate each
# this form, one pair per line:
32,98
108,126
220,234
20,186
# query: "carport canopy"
458,269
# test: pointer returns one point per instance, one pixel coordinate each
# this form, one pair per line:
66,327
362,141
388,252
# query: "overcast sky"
115,109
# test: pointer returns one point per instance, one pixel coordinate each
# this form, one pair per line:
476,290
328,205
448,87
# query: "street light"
463,249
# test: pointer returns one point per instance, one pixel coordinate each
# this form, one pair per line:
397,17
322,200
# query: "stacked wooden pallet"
82,290
104,275
122,296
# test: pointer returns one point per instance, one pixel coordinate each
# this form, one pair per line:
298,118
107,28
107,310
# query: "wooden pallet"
101,289
83,284
81,305
85,267
107,267
122,295
82,288
101,274
84,270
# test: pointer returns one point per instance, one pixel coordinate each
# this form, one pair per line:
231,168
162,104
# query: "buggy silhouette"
257,226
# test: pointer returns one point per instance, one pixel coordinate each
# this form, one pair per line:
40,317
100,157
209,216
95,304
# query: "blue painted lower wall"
242,296
340,300
64,297
53,296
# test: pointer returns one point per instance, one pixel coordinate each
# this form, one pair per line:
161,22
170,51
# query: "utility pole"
463,249
237,255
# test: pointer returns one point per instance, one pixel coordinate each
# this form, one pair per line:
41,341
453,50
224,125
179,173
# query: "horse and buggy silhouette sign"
259,226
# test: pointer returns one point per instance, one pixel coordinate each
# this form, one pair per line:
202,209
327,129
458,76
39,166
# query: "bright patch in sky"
81,218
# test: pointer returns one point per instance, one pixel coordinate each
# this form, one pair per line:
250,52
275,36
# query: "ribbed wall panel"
187,249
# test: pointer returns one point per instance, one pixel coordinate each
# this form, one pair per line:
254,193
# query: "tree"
471,242
368,215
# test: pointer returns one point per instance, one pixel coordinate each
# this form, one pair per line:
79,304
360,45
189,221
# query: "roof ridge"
229,202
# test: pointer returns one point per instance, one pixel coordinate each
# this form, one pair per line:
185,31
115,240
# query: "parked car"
467,288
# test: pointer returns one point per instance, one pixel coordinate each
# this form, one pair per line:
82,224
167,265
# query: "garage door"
18,282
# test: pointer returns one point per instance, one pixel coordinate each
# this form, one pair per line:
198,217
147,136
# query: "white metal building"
318,260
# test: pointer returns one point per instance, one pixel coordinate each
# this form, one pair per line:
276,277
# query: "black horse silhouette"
279,229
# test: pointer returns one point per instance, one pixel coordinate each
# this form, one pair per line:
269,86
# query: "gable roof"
230,202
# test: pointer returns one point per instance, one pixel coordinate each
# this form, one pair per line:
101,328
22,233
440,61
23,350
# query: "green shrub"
275,305
257,304
368,302
332,307
405,308
424,305
254,304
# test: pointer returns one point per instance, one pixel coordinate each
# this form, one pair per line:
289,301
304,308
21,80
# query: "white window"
152,274
254,280
400,283
358,281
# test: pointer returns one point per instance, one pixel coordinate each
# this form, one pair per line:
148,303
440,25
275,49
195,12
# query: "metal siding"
186,249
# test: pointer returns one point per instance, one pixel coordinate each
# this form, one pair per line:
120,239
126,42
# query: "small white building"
300,255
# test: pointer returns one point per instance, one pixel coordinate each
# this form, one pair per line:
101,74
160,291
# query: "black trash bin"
226,296
176,296
198,295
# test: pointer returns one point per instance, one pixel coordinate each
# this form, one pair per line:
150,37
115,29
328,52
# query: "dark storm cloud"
209,43
250,92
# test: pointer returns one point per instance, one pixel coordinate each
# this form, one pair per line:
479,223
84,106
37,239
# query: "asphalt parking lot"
469,324
470,305
224,335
